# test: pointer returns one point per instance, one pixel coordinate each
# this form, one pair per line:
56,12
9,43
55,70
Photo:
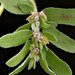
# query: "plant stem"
35,7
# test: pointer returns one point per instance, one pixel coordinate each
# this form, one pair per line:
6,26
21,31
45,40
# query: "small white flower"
42,13
36,50
37,23
33,13
36,18
36,57
37,35
40,38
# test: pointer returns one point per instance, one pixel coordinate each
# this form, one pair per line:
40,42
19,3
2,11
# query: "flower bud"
42,15
36,57
37,35
36,50
40,38
45,41
30,18
37,23
32,54
36,18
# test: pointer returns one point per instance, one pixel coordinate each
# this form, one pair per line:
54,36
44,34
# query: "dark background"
10,22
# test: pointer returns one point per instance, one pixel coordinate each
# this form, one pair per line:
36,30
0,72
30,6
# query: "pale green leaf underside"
15,39
12,6
34,64
44,65
60,16
21,67
42,52
56,64
23,27
50,36
15,60
63,41
30,64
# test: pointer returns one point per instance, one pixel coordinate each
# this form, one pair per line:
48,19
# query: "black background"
10,22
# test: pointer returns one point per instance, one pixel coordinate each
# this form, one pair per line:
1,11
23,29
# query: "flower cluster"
34,52
38,35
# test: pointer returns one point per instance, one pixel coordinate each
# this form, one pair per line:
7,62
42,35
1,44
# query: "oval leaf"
12,6
15,39
26,8
63,41
44,65
21,67
14,61
50,36
56,64
60,15
43,24
23,27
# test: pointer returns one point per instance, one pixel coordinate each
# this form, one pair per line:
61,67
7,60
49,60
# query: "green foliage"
43,24
53,24
44,65
21,67
60,16
12,6
36,41
56,64
50,36
25,8
42,52
20,56
25,26
15,39
31,63
34,64
63,41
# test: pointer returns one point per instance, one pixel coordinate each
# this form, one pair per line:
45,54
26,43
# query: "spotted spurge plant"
36,34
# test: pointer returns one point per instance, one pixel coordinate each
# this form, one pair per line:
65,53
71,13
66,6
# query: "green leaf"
15,39
56,64
50,36
21,67
30,64
12,6
42,52
53,24
43,24
63,41
26,8
34,64
60,15
14,61
25,26
28,2
44,65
